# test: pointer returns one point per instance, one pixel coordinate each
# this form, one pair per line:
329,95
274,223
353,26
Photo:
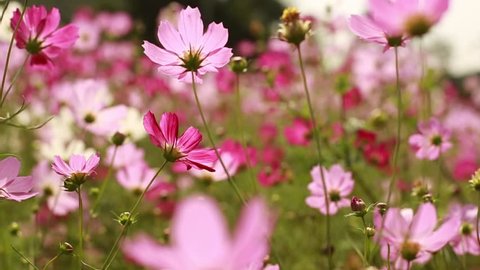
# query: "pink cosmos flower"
299,132
77,165
59,201
433,140
412,18
135,177
200,239
465,240
339,185
189,49
12,186
178,149
127,154
39,34
413,237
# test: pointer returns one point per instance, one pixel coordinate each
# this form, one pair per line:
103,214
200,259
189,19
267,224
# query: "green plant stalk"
241,130
105,182
212,142
51,261
114,249
80,228
319,155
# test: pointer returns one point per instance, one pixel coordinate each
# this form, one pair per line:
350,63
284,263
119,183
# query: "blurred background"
457,33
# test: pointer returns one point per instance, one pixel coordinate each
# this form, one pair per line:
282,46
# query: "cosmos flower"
38,33
339,184
12,186
432,140
465,240
178,149
200,239
188,49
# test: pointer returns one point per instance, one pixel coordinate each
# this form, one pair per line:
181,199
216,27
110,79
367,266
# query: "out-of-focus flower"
49,185
12,186
299,132
432,140
188,49
178,149
38,33
127,154
413,237
339,184
135,177
200,239
294,29
231,162
465,240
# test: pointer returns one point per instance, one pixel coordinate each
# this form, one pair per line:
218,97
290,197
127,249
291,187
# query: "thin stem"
478,220
51,261
80,228
15,77
409,263
25,258
316,135
105,182
212,142
113,251
9,52
388,257
366,250
4,10
241,130
399,126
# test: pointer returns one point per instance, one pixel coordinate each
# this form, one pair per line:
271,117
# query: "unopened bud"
357,204
238,64
66,248
370,232
118,138
382,208
475,181
293,29
14,229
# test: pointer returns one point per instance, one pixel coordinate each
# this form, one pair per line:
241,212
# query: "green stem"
399,126
212,142
80,228
241,130
105,182
114,250
51,261
316,136
9,52
388,257
366,250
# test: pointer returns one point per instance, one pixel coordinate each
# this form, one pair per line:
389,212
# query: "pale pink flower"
39,34
127,154
12,186
50,186
77,165
432,140
413,237
339,184
135,177
200,239
189,49
465,240
178,149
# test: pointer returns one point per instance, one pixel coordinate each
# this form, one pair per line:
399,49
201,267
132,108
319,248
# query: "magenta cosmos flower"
432,140
200,239
12,186
413,237
189,49
178,149
339,185
39,34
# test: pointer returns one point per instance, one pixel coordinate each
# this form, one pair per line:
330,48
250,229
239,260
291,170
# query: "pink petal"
151,126
158,55
64,37
424,221
366,29
77,163
61,167
92,162
190,26
169,127
51,23
200,234
189,140
442,236
9,168
216,37
219,58
170,38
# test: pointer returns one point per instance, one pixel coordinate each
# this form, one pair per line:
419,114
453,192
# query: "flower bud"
238,65
382,208
66,248
118,138
370,232
125,218
357,204
293,29
14,229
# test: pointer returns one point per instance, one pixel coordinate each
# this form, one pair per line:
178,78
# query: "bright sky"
459,28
